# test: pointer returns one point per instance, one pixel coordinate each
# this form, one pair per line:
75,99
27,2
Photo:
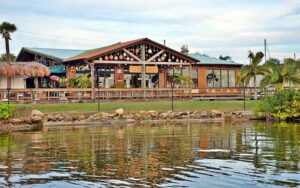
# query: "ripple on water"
200,155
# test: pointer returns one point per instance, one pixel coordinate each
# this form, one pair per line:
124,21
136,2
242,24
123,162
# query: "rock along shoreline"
38,120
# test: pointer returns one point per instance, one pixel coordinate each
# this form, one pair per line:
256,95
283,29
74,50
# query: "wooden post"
143,66
190,77
93,80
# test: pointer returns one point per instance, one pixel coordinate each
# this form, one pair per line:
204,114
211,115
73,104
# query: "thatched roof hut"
28,69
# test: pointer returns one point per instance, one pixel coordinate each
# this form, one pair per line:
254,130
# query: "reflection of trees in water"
283,144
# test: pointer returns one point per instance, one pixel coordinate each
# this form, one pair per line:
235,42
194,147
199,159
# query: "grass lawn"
137,106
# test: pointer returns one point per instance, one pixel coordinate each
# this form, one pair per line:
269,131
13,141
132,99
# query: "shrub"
119,85
283,105
5,111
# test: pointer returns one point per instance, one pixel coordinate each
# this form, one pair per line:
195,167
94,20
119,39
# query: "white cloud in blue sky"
212,27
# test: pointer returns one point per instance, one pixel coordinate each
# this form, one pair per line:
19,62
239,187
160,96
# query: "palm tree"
281,74
84,81
253,69
5,29
12,58
182,80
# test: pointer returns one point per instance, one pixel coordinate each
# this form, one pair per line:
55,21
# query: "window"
224,78
217,80
210,78
231,76
195,77
220,78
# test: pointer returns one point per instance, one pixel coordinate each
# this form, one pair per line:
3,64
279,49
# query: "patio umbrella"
54,78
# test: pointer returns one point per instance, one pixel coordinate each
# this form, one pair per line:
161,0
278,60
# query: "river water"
176,155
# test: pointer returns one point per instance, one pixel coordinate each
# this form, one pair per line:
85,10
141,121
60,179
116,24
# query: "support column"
70,73
143,66
119,74
190,84
93,80
162,78
202,79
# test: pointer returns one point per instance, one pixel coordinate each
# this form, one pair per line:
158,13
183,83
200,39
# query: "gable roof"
207,60
58,54
89,54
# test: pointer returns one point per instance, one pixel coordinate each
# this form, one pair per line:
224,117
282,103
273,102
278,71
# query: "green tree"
12,58
280,75
84,81
253,69
5,29
183,80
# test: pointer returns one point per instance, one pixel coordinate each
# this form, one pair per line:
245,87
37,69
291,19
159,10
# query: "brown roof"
90,54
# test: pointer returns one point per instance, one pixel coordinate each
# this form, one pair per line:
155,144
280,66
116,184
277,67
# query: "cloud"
208,26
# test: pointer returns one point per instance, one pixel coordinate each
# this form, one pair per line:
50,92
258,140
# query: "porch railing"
74,94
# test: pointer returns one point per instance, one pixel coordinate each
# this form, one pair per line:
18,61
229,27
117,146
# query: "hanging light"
150,51
111,57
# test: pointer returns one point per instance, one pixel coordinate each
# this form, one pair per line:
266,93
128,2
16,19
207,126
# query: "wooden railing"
74,94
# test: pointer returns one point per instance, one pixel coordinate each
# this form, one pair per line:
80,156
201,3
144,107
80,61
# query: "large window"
231,76
220,78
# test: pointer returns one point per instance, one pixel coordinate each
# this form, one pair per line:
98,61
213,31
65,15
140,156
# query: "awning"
58,70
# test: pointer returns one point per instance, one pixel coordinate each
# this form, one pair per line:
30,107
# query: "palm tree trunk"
7,49
255,92
6,38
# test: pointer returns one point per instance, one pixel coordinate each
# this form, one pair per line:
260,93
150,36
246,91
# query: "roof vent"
185,49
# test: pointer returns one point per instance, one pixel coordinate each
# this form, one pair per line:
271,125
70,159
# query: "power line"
53,36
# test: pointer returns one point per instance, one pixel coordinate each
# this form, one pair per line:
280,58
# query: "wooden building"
137,64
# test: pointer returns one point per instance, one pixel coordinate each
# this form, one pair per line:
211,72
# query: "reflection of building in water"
216,142
122,152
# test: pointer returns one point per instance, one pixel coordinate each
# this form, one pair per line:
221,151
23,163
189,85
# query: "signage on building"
138,69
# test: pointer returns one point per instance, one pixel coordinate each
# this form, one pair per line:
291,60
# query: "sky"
212,27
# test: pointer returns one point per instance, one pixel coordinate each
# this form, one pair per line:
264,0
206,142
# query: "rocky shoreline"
119,116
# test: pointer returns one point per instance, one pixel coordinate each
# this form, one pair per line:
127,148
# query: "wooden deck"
75,95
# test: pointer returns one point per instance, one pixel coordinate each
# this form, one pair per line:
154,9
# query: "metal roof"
207,60
55,53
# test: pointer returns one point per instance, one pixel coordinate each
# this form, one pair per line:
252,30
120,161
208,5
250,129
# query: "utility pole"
295,56
265,46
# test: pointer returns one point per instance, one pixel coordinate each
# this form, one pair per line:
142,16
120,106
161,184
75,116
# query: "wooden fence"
74,94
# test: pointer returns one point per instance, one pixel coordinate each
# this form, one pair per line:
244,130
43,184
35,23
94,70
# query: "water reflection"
194,155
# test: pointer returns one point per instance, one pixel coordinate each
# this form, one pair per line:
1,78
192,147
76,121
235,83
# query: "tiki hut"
28,69
35,70
18,71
